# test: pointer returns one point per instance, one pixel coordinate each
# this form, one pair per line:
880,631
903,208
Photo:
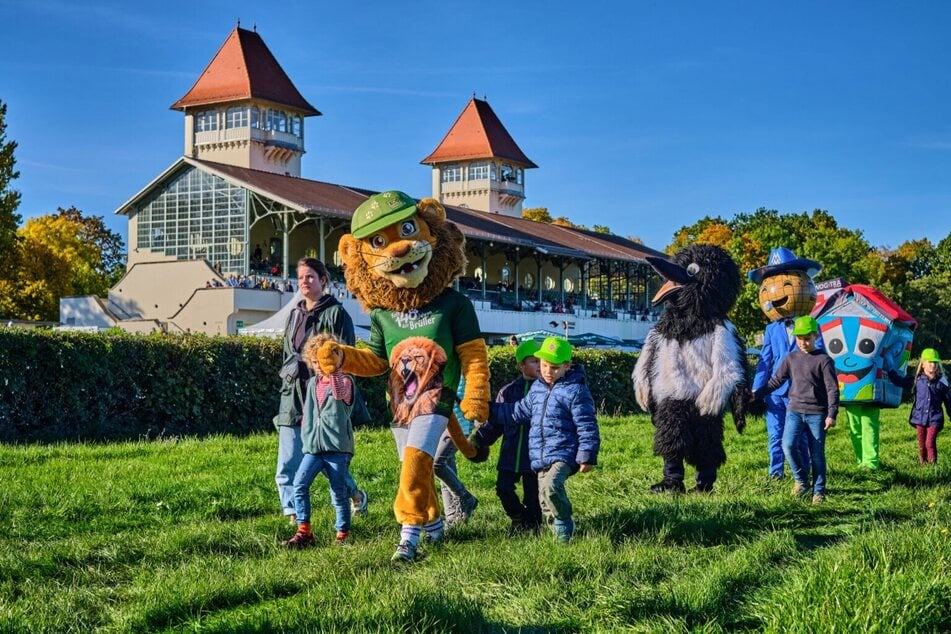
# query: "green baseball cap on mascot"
380,211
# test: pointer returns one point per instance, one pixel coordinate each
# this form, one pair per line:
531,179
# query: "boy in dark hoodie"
514,461
563,435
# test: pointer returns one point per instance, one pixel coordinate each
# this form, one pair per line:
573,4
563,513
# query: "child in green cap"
563,435
514,461
931,392
813,405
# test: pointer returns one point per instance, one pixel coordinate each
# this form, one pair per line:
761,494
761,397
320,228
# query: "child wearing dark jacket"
563,436
514,461
930,393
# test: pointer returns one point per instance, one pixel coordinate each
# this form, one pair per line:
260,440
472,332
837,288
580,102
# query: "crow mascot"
692,366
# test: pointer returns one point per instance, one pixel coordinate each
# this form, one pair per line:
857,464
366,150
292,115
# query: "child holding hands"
327,439
813,405
563,436
514,461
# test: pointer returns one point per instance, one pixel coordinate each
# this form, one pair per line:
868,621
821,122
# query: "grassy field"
184,536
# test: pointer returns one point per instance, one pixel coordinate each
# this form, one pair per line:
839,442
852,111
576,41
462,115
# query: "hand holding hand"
329,357
585,468
830,423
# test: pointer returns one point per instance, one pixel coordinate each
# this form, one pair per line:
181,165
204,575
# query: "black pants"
527,510
674,470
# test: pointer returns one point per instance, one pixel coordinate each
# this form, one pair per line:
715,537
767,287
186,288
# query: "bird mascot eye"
692,269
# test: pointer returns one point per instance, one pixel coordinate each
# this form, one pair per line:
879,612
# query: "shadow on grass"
733,523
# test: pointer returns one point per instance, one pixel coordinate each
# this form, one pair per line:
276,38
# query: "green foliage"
183,535
913,275
9,202
57,385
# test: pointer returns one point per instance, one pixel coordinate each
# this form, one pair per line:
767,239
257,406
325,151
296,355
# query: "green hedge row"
109,386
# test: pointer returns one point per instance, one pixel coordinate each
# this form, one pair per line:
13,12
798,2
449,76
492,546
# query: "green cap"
805,325
527,348
554,350
930,354
379,211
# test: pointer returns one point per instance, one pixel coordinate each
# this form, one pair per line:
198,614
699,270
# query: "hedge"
58,385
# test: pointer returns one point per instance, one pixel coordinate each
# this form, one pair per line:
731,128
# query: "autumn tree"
63,254
538,214
750,237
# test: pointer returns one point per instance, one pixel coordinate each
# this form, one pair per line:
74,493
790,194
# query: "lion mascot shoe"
400,259
786,291
692,365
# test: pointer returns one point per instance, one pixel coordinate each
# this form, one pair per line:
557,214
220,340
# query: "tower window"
452,174
276,120
236,118
479,172
255,117
206,121
297,125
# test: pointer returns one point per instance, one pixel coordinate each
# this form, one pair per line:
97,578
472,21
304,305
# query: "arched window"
276,120
255,117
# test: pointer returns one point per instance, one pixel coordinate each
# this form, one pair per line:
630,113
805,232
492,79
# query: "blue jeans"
289,454
775,424
333,464
814,427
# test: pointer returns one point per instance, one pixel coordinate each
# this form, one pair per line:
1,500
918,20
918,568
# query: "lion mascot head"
401,254
416,377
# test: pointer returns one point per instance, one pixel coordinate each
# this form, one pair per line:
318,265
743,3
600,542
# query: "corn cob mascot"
400,258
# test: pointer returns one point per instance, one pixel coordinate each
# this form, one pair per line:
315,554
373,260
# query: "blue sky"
642,116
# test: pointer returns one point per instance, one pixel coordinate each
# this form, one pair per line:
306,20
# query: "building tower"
244,110
478,165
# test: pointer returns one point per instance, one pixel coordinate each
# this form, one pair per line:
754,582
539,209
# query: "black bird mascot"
693,365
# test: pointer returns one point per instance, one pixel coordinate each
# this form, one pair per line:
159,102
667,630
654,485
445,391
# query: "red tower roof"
478,133
244,68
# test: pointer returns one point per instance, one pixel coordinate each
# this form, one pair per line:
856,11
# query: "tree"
9,201
64,254
750,237
538,214
562,221
602,229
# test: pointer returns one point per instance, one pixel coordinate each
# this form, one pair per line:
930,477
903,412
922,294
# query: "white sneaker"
360,508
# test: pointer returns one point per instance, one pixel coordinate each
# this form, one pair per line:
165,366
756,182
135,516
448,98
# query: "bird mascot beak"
674,276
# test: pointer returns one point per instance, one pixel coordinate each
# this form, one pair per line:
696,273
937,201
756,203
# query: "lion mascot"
400,259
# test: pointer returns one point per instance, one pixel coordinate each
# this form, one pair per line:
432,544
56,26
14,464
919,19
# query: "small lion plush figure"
400,259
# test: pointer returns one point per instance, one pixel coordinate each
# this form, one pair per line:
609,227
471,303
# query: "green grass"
184,536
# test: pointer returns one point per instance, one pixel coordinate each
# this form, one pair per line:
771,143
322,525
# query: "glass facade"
196,215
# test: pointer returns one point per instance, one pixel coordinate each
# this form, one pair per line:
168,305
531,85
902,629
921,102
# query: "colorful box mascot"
786,291
867,335
400,259
693,365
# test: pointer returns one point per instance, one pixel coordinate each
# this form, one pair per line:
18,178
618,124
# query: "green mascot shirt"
449,320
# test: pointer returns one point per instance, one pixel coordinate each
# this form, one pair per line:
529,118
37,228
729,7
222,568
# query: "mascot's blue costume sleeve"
786,291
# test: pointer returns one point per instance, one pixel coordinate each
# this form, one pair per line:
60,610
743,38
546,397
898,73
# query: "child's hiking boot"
564,529
800,489
818,498
299,540
343,537
360,508
669,485
405,552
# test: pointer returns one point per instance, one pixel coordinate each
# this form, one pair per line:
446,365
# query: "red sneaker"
299,540
343,537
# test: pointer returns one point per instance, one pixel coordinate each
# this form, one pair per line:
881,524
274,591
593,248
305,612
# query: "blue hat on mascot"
781,260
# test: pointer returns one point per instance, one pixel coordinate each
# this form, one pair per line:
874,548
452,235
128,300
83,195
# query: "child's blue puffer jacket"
564,427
